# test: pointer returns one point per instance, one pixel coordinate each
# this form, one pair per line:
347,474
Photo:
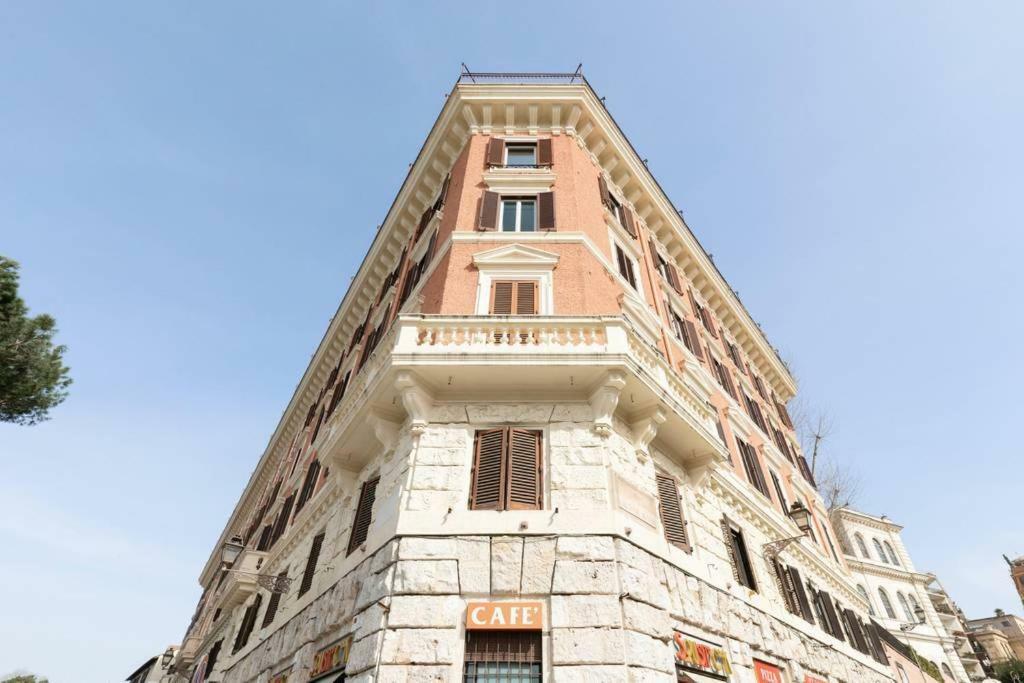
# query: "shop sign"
504,616
767,673
280,678
812,679
696,654
330,658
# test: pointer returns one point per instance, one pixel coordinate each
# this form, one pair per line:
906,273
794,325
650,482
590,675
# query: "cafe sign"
696,654
504,616
331,658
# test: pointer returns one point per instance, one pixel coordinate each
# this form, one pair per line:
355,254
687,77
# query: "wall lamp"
801,516
910,626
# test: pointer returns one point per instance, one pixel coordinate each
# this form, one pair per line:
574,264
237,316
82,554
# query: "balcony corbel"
415,399
385,429
605,399
645,427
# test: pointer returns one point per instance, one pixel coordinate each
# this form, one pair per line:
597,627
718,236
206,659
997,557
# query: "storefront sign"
695,654
504,616
767,673
812,679
281,677
331,658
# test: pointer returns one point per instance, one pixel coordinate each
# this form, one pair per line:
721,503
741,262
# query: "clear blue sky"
189,188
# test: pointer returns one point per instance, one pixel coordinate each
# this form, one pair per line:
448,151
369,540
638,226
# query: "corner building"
541,439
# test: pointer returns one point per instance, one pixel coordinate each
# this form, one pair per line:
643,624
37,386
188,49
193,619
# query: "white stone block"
434,501
401,673
448,413
438,478
426,577
474,556
644,651
577,611
419,548
589,674
418,646
420,611
572,412
586,646
538,565
582,499
374,587
644,618
577,455
363,654
643,675
447,455
585,548
643,587
579,477
575,577
506,565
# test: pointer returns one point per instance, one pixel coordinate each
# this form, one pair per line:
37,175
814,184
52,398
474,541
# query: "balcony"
241,581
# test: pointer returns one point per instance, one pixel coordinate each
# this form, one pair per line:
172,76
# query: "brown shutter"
488,472
830,612
524,470
443,195
785,586
602,186
282,519
495,152
364,515
544,157
801,595
314,556
673,278
526,297
275,600
655,257
546,211
501,297
488,219
691,331
628,222
671,511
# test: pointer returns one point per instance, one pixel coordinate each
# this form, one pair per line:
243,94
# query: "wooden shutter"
602,187
753,466
655,256
875,641
248,621
526,297
488,219
272,604
502,294
830,612
364,515
785,586
628,222
801,594
544,156
671,511
673,278
694,345
443,195
524,470
282,519
759,385
211,658
314,556
546,211
495,152
488,471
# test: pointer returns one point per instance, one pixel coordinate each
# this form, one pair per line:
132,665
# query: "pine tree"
33,378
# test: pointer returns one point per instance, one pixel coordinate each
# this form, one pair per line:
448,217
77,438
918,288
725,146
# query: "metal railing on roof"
467,76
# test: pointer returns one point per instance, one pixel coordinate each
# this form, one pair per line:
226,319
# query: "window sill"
518,179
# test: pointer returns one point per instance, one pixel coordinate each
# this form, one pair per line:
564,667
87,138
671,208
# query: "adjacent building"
1001,635
1017,575
900,597
541,439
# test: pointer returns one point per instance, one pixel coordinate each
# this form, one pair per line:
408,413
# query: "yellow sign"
504,616
331,658
701,656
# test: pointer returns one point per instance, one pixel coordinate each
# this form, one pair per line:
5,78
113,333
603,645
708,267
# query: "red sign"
331,658
767,673
812,679
504,616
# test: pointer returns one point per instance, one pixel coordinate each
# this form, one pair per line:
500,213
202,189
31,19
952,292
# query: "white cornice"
515,256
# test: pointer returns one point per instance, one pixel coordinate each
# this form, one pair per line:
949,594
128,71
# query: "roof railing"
467,76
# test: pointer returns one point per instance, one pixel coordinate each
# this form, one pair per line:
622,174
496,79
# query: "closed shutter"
544,156
442,197
628,222
526,298
495,152
856,628
546,211
671,511
425,219
875,642
502,294
625,266
673,278
211,658
693,342
801,594
265,535
314,556
759,385
709,322
488,471
272,604
830,611
784,583
282,519
364,515
339,393
753,467
488,219
248,621
524,476
602,187
316,429
655,256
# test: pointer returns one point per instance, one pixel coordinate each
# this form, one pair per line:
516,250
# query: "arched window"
892,555
906,607
886,604
878,549
867,599
861,546
947,672
914,604
903,673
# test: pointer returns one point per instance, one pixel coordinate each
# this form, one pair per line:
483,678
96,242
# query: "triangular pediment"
515,256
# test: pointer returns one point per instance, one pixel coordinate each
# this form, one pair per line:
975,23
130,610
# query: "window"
506,470
211,658
886,603
759,385
778,492
905,606
734,353
308,485
792,588
864,594
825,609
892,555
364,515
722,375
627,268
704,316
903,673
514,297
914,604
861,546
521,154
282,519
754,411
273,603
314,556
741,567
518,214
753,467
248,621
505,656
878,549
671,511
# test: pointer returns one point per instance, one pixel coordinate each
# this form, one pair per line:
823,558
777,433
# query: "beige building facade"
1002,635
542,439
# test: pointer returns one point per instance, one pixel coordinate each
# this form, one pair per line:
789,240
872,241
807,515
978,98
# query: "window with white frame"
521,154
518,214
627,266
